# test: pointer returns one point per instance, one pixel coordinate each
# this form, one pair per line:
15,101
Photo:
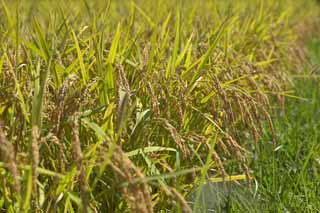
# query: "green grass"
116,106
289,177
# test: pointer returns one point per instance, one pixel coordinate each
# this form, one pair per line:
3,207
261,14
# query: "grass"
295,163
116,106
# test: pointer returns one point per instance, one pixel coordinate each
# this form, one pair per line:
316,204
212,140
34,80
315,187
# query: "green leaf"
100,133
7,15
148,19
150,149
176,44
34,48
76,199
114,46
80,58
43,44
184,51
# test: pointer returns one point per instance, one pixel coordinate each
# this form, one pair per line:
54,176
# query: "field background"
131,106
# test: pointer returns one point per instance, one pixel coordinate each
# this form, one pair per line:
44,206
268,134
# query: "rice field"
159,106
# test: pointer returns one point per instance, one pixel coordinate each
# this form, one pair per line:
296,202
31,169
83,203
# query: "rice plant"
130,106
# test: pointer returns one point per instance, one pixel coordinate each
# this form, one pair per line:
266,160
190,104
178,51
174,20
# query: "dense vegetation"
115,106
289,175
